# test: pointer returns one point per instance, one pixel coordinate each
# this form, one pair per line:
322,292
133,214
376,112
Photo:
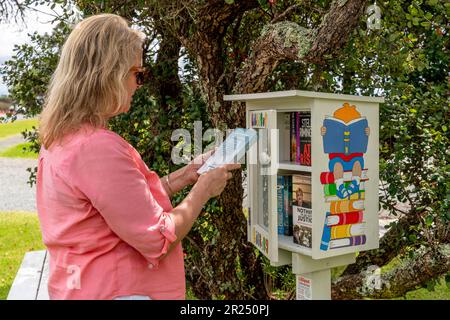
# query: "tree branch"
391,245
288,40
411,274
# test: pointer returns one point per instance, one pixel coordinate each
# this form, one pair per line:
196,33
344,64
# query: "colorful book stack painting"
345,139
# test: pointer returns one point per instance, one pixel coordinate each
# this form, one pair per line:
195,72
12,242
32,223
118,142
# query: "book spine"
293,139
280,204
347,230
305,138
344,218
288,206
328,177
326,234
360,195
347,242
329,189
346,206
346,140
297,137
286,137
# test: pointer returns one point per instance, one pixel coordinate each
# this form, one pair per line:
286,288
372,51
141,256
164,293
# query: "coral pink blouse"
104,220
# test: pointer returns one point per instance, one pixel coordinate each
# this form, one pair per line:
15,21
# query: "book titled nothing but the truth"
301,210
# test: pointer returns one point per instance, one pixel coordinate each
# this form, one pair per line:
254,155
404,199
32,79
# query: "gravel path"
15,193
11,141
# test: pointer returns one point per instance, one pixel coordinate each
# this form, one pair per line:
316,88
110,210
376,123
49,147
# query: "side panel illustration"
345,139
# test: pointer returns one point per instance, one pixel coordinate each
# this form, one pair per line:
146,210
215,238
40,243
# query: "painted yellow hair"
88,85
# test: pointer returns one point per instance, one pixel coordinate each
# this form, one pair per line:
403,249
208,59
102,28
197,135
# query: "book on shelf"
280,203
287,217
284,205
297,137
301,210
293,139
345,137
300,137
304,133
285,137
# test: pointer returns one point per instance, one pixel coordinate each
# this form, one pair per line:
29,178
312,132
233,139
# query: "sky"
17,33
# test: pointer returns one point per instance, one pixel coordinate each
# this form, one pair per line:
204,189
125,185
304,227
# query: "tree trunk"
283,40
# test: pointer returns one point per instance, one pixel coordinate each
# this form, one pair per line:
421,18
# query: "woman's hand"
190,170
214,181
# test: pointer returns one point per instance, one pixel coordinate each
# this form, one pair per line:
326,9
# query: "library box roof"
300,93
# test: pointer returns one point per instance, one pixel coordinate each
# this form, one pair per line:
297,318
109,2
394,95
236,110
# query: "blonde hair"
88,85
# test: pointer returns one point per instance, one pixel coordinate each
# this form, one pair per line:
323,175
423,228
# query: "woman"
106,219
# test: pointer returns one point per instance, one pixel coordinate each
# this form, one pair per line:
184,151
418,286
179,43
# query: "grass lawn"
440,292
13,128
19,233
19,151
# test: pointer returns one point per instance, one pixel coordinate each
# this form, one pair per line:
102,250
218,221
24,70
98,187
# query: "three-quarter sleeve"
108,175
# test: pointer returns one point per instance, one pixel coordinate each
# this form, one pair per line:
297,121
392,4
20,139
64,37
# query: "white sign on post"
304,288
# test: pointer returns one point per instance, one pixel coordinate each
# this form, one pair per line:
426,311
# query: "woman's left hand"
190,172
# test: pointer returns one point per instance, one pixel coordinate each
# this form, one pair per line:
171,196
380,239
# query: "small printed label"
304,291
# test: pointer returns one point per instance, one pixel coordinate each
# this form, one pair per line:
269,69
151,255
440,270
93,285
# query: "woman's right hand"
214,181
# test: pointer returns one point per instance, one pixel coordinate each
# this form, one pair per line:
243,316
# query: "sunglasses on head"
140,76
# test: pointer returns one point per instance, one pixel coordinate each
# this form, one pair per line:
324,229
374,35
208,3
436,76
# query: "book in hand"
232,150
346,138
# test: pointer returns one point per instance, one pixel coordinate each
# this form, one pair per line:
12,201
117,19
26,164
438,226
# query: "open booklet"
232,150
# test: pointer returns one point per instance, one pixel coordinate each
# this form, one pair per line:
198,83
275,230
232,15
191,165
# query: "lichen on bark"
290,34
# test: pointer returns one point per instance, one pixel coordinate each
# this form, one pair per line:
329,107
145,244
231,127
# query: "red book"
305,138
328,177
345,218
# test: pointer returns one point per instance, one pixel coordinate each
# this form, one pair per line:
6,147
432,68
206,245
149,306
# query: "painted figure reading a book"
345,138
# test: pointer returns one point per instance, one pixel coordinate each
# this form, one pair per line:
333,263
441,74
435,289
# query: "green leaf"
429,220
229,1
447,280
